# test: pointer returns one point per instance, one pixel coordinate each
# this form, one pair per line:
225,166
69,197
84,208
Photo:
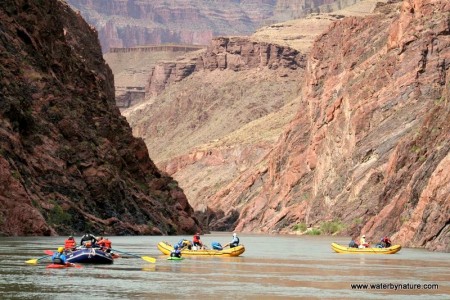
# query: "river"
272,267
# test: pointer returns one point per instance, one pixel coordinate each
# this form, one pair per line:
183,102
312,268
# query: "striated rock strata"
125,24
226,53
68,161
370,144
217,112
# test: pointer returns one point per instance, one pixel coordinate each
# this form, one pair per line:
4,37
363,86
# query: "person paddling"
386,242
70,244
184,244
362,242
105,244
88,239
197,242
234,242
175,252
59,257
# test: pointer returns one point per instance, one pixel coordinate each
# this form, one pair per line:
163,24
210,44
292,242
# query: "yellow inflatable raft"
342,249
166,248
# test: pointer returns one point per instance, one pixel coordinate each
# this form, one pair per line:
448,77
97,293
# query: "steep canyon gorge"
359,136
262,133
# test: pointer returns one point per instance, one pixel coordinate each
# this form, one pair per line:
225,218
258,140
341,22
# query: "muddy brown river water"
272,267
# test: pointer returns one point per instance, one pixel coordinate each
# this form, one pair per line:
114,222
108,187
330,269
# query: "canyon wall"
217,112
68,160
126,23
370,144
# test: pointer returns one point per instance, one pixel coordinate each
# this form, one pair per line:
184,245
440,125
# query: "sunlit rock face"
130,23
370,144
68,160
217,112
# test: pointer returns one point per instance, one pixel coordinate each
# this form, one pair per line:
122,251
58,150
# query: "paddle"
35,260
49,252
146,258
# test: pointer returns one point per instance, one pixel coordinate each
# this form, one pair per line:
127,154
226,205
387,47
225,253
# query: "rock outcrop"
370,145
226,53
68,160
133,66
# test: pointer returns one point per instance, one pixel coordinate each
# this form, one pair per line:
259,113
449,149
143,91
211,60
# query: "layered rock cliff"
126,23
218,111
224,53
370,144
68,160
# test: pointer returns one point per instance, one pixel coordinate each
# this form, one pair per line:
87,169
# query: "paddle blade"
48,252
149,259
32,261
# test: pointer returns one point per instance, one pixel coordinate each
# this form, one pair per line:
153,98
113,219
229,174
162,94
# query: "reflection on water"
284,267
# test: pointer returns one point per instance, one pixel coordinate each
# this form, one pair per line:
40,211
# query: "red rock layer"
68,160
222,53
370,144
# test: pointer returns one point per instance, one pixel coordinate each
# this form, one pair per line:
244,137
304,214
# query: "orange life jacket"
107,243
69,244
104,243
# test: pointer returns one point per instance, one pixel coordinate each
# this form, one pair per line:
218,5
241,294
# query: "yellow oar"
149,259
35,260
146,258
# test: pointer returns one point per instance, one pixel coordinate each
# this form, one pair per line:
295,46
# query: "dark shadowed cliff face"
68,161
370,145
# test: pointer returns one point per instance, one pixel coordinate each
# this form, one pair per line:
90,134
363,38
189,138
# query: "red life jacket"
69,244
196,240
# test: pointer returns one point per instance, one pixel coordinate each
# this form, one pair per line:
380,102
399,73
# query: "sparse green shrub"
15,174
142,185
150,225
332,227
313,231
439,101
173,185
404,219
58,215
299,227
357,221
415,149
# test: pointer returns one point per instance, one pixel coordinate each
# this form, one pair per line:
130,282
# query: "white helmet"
234,234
